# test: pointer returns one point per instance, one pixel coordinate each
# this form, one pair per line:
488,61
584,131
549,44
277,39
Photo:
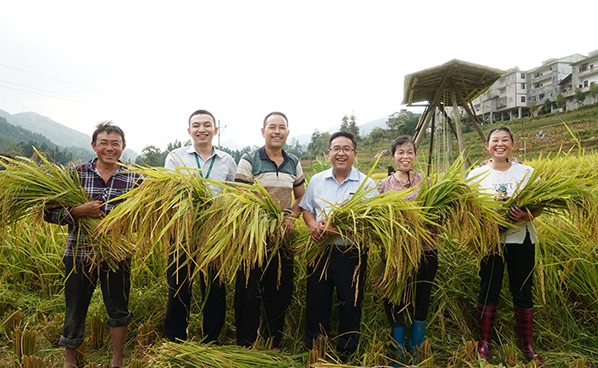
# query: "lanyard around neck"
209,169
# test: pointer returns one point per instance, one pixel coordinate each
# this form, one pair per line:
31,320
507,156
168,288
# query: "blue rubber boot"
398,335
418,330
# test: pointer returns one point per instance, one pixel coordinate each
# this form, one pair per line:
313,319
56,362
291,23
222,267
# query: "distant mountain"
54,131
57,133
14,134
364,129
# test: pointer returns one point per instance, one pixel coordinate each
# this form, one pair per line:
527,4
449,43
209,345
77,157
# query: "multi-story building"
506,99
584,73
510,96
548,80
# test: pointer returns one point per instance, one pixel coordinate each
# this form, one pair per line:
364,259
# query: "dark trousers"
179,302
397,314
81,281
345,271
270,288
520,260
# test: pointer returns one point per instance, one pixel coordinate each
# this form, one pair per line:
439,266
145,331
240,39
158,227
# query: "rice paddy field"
565,277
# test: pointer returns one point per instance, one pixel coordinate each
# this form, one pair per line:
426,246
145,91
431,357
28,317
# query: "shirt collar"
191,150
91,165
264,155
353,175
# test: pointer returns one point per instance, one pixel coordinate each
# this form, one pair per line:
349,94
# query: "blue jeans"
81,281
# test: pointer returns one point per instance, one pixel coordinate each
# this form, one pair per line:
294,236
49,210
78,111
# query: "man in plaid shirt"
103,178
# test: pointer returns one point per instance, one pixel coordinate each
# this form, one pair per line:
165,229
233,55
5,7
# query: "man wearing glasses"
344,266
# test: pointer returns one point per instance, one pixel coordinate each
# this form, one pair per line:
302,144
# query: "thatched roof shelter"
455,83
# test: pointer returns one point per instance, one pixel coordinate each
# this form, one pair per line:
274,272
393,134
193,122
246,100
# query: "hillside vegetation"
562,131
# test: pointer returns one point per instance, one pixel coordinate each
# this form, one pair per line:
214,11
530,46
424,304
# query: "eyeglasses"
338,149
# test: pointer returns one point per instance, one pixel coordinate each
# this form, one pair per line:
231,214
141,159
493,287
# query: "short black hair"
499,129
345,134
276,113
202,112
108,127
401,140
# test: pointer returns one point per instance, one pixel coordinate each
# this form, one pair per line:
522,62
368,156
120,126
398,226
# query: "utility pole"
219,132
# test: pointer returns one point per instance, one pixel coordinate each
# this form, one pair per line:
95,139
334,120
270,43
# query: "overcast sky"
147,64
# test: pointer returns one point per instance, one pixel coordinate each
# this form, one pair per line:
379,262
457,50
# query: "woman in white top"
502,176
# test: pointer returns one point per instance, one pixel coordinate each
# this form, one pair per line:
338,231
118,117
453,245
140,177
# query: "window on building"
585,83
522,75
522,85
541,96
583,67
523,99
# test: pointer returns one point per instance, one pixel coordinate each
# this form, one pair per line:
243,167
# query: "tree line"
20,142
397,124
17,141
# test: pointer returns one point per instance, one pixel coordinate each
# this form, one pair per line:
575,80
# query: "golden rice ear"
564,186
28,187
164,209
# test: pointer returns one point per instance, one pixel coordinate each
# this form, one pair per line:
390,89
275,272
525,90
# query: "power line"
59,80
82,100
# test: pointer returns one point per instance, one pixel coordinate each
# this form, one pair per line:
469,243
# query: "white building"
509,97
584,73
545,82
506,99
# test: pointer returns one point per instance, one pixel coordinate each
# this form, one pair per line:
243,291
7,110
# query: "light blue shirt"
323,189
223,165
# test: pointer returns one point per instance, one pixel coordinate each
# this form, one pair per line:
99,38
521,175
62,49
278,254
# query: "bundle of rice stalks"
226,229
563,186
164,208
386,226
242,229
28,187
569,262
461,210
188,354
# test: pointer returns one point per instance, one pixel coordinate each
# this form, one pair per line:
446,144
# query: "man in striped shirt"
270,287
